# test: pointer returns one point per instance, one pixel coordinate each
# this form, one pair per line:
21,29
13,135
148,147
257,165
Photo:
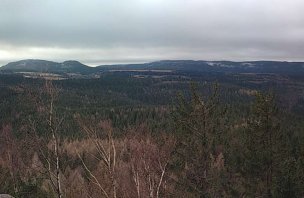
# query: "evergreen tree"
263,147
199,156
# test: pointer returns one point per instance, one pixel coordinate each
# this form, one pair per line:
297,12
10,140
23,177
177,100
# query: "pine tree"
263,147
198,156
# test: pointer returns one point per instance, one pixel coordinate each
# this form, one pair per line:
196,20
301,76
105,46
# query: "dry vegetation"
129,166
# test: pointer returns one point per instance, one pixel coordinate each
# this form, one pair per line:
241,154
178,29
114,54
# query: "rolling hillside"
31,65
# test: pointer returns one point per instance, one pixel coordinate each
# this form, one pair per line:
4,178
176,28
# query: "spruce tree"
263,147
199,156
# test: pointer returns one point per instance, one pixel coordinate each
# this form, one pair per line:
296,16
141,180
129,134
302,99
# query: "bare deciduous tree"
54,127
148,165
102,138
49,147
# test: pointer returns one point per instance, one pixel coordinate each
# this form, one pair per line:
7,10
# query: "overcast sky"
128,31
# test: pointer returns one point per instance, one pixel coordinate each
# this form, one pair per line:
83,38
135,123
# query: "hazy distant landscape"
283,78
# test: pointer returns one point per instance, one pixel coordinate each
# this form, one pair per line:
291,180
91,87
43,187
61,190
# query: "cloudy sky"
128,31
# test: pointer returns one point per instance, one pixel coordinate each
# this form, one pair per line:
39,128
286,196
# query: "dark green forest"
141,134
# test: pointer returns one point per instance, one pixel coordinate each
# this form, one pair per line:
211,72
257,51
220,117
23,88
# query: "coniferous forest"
130,135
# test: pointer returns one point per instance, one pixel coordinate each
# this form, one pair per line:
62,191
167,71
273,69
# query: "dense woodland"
146,135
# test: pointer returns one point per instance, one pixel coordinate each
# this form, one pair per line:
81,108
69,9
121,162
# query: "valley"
143,114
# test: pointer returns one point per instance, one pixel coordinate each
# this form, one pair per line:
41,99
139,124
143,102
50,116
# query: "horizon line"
151,61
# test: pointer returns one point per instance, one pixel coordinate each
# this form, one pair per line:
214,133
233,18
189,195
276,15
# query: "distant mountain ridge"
217,66
34,65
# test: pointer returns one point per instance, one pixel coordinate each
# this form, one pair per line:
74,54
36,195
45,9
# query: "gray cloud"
109,31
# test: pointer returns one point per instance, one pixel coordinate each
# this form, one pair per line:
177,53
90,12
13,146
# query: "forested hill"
34,65
31,65
217,66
